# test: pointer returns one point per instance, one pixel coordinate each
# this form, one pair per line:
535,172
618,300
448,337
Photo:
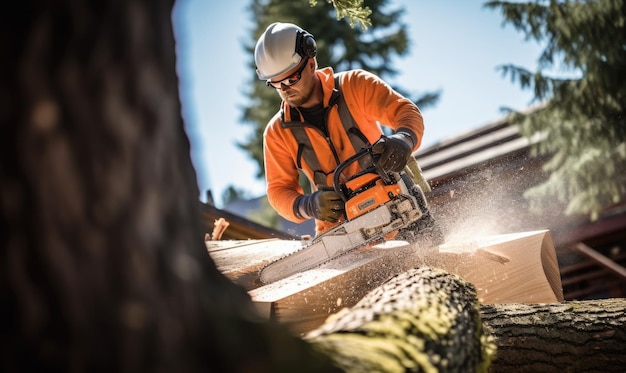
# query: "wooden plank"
241,260
514,268
303,301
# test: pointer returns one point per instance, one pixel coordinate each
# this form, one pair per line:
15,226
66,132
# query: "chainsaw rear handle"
340,187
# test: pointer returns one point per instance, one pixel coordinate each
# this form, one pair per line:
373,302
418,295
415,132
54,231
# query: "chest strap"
357,138
306,152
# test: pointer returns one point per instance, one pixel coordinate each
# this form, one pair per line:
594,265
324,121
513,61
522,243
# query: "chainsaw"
377,205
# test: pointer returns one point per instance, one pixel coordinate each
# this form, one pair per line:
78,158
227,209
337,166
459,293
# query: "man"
314,130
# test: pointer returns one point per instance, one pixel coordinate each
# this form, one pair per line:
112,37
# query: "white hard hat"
281,48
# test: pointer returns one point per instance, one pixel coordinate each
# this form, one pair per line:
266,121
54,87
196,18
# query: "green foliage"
581,118
340,45
352,9
266,215
232,194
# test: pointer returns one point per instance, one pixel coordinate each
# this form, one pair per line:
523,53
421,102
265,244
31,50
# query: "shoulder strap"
357,138
306,151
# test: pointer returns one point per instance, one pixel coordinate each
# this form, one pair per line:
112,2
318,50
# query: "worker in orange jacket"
309,133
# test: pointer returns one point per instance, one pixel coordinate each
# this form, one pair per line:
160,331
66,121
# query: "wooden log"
410,324
513,268
576,336
423,320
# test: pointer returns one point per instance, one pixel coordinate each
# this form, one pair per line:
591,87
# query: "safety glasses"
290,80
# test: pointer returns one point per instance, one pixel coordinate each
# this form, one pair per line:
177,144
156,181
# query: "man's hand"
393,151
325,204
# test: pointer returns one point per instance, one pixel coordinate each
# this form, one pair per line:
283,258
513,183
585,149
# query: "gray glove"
325,204
393,151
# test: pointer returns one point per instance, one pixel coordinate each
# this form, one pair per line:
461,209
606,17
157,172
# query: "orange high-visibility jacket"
370,101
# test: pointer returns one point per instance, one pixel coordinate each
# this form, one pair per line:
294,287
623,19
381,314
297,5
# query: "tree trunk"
103,261
586,336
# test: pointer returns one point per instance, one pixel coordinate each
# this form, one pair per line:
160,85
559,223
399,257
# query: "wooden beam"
601,259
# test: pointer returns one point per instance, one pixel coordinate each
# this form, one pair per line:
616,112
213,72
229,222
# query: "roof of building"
239,228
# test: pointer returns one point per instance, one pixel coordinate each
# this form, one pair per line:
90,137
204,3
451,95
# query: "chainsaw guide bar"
348,236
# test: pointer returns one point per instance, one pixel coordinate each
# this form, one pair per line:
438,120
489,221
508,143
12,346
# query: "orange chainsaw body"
368,192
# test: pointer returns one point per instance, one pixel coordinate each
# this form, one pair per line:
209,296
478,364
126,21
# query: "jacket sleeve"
281,173
376,101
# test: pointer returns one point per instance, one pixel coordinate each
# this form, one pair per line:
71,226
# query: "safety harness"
306,151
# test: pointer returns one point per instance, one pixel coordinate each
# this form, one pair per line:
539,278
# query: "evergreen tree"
232,194
581,118
341,45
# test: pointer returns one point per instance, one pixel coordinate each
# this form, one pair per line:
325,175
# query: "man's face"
302,83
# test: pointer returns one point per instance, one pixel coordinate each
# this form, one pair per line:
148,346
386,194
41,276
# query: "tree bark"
103,261
423,320
577,336
584,336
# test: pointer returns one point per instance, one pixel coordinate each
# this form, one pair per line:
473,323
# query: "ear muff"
305,45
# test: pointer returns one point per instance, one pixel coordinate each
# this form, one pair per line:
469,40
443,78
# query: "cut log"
512,268
508,268
577,336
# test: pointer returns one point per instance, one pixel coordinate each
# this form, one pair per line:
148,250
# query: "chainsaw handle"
340,187
337,185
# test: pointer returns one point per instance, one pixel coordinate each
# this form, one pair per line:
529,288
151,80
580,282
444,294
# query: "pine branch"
352,9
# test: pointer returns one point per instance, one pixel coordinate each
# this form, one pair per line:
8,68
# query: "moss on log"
423,320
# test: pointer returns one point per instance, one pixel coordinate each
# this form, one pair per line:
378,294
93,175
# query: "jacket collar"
327,78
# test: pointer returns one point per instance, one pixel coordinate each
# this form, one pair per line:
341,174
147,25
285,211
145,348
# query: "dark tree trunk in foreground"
586,336
103,262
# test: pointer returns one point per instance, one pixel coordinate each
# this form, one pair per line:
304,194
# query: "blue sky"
456,46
